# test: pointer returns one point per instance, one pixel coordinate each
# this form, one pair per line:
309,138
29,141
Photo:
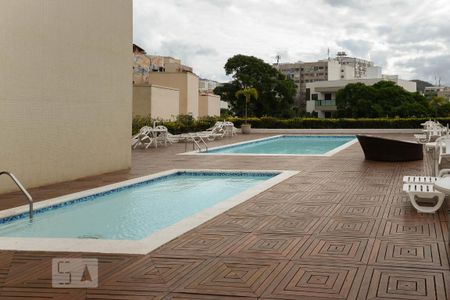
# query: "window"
314,97
308,93
327,96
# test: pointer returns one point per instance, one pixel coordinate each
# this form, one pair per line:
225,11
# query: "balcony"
320,103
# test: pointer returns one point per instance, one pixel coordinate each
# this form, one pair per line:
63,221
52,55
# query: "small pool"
134,216
288,145
136,211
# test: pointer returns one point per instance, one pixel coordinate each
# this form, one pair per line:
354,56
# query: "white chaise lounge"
423,191
422,187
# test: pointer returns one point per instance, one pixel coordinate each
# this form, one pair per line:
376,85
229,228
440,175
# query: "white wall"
65,89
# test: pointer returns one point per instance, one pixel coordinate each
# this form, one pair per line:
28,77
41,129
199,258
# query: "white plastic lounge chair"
426,179
423,191
143,138
443,147
419,179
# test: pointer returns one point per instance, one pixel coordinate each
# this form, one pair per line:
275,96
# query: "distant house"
322,94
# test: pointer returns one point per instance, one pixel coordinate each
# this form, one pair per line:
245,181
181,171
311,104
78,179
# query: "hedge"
186,124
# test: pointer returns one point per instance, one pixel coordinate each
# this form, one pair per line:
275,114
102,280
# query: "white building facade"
322,95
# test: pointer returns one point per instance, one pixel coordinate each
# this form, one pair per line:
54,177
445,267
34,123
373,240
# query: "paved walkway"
340,229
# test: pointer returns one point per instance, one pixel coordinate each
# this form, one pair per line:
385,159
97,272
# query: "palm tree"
248,93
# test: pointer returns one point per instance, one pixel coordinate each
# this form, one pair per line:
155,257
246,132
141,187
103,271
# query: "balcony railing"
320,103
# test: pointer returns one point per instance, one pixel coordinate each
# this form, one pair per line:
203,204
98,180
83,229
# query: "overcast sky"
406,37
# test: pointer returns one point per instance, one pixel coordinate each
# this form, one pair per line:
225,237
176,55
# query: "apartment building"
144,64
303,73
360,66
342,67
208,86
322,95
439,91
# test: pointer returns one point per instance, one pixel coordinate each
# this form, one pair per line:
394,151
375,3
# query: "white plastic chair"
143,138
423,191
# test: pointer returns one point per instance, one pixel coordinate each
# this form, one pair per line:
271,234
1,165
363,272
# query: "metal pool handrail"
22,189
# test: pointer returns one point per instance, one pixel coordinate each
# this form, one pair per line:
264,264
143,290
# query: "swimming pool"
154,209
306,145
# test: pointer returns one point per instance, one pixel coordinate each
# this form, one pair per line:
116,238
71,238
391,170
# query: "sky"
410,38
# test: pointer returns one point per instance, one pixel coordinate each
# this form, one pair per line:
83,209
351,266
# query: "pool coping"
148,243
327,154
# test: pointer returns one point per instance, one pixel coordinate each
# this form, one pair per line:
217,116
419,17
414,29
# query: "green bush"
185,124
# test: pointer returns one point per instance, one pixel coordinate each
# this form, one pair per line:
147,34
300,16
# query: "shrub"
185,124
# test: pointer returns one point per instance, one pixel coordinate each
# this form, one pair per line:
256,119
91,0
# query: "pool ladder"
197,140
22,189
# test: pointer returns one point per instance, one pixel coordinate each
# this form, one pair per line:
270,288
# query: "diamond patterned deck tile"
412,254
306,209
268,246
309,237
288,225
415,229
371,188
323,197
399,198
400,283
150,274
271,196
33,269
359,210
5,261
408,212
303,186
233,223
356,227
258,208
41,293
124,295
349,250
357,199
304,281
232,277
199,244
181,296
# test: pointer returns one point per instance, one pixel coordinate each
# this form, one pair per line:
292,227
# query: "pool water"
136,211
288,145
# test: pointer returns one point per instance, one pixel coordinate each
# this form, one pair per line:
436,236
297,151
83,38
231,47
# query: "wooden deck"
340,229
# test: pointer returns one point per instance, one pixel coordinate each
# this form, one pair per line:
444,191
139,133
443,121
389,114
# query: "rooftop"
340,229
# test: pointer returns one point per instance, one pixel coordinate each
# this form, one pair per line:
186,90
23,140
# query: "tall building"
359,65
340,68
306,72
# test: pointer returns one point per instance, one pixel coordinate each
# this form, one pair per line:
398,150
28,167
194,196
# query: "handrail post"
22,189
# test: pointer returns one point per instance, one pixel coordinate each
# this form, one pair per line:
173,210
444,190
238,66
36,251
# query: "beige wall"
208,105
65,82
159,102
187,83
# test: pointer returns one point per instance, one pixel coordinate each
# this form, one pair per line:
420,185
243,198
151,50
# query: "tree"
248,94
383,99
435,103
275,91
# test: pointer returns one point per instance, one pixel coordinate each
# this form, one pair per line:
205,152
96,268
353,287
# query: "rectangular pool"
137,209
307,145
